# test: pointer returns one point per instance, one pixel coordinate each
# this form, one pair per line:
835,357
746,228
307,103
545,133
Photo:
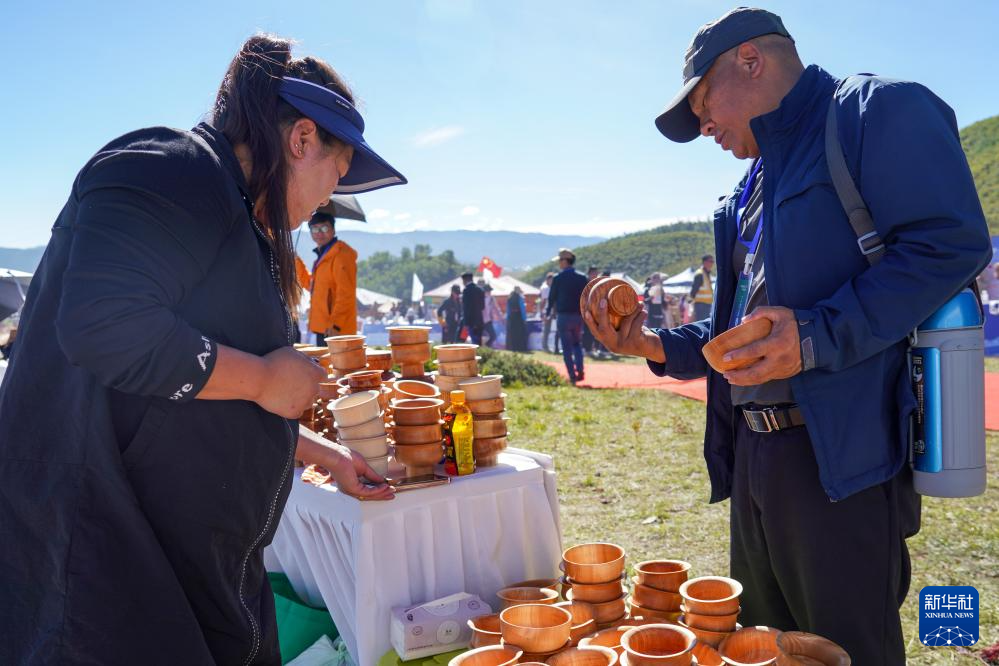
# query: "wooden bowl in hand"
732,339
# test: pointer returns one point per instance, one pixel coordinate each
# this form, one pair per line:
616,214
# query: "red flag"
488,264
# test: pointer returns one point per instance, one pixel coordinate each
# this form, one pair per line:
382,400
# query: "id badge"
741,299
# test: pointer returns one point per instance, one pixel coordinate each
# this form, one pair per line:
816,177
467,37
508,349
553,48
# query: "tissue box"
436,626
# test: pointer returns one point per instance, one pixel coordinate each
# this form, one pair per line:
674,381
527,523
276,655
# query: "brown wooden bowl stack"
419,458
711,595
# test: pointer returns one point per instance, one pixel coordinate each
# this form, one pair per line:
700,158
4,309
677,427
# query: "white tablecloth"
477,534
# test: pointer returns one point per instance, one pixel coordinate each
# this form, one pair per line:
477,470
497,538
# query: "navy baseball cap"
335,114
678,123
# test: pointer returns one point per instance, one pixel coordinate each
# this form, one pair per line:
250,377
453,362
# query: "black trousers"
837,569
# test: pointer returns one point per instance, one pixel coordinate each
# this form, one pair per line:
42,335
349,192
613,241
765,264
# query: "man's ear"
749,59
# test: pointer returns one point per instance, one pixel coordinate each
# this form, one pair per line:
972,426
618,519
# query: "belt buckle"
757,419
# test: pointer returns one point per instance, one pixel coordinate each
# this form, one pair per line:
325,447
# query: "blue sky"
505,114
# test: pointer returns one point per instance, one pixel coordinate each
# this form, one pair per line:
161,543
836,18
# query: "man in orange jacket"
332,282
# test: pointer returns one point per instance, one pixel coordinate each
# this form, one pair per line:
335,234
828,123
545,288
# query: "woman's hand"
289,384
348,468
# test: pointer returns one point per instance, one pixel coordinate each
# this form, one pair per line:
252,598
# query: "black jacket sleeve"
148,227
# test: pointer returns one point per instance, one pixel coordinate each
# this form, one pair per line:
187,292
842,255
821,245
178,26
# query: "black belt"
772,418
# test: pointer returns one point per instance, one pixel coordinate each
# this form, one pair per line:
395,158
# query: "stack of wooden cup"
656,592
360,427
593,574
346,353
455,363
486,400
381,360
417,426
410,347
367,380
710,607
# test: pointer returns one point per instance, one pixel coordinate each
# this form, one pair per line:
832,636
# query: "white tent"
502,286
680,283
368,298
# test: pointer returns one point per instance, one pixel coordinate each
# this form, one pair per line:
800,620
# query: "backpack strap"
868,240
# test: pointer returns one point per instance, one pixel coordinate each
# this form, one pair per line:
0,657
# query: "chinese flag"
488,264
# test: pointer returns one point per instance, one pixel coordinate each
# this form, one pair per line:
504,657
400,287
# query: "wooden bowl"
369,447
338,344
666,575
482,388
406,389
328,390
550,583
800,646
711,595
412,370
658,645
492,655
752,646
623,303
367,380
417,411
583,623
734,338
609,638
720,623
594,563
408,335
584,298
638,611
712,638
594,655
419,455
446,383
607,611
650,597
355,409
462,369
708,656
379,359
513,596
417,434
497,416
596,593
486,451
314,352
349,361
417,354
536,628
490,406
455,352
485,630
489,428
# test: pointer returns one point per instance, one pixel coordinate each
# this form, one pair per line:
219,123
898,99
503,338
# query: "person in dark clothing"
449,315
158,321
516,322
810,441
563,299
473,303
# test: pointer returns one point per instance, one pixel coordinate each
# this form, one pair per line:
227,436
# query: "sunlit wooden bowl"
486,451
594,655
752,646
712,638
720,623
410,354
583,623
368,380
369,447
379,359
609,638
482,388
734,338
489,406
550,583
650,597
708,656
711,595
328,390
489,428
536,628
622,300
313,351
636,610
355,409
408,335
593,563
417,411
417,434
798,646
497,416
485,630
412,370
666,575
492,655
446,383
349,361
596,593
658,645
419,455
462,369
456,352
606,611
513,596
337,344
406,389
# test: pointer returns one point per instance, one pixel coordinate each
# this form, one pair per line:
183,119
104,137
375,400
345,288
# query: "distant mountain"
981,145
510,249
21,260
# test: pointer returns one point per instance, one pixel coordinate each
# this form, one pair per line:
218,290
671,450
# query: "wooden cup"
734,338
514,596
594,563
536,628
711,595
666,575
752,646
658,645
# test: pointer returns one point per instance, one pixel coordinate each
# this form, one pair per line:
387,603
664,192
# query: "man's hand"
630,338
780,351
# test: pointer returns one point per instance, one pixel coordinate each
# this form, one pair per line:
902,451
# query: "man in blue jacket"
810,442
563,299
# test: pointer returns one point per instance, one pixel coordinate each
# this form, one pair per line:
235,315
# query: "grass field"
631,471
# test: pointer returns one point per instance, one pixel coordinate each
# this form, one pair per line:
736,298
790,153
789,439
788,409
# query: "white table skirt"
477,534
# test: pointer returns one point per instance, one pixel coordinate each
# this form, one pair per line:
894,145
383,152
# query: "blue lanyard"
747,193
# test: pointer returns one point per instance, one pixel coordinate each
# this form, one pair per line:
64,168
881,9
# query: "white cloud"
378,213
470,210
437,136
402,216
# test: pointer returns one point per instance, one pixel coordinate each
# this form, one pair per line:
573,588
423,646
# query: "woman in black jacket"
147,431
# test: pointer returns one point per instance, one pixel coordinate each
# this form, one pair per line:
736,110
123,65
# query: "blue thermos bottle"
947,368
